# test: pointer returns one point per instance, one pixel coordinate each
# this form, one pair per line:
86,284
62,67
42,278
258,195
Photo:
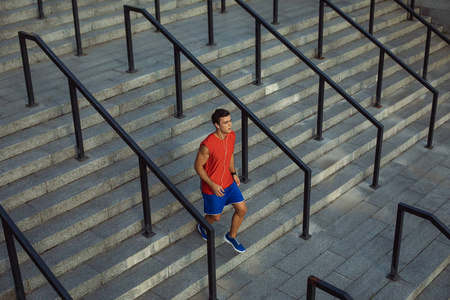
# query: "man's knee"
214,218
241,209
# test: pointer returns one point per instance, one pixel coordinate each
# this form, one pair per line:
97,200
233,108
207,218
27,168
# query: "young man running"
219,181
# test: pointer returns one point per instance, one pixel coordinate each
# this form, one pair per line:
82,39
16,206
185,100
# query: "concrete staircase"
85,217
100,22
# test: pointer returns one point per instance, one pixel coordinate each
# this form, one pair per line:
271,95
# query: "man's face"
225,124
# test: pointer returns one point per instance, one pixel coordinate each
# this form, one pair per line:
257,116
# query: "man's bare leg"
238,217
211,219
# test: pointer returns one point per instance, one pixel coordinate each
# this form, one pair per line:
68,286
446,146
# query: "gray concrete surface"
438,10
353,237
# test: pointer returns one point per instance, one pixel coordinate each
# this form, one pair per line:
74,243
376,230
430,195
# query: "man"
219,181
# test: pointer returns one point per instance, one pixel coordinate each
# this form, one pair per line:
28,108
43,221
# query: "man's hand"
218,190
237,180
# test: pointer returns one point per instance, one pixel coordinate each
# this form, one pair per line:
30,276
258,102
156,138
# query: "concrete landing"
353,237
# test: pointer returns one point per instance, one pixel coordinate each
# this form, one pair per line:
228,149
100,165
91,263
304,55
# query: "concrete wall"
439,10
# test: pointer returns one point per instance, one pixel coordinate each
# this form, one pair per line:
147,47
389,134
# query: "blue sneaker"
234,242
202,231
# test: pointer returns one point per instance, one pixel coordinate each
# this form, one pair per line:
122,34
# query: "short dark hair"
219,113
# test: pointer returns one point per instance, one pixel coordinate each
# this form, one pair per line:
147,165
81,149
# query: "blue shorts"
213,205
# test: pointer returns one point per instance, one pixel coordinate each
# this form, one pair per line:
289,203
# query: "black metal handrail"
430,28
274,11
209,7
401,209
246,113
323,78
144,161
76,22
314,282
383,50
11,231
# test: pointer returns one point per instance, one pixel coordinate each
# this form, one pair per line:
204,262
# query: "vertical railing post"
40,10
432,121
147,223
14,262
157,13
244,130
129,38
412,6
427,54
26,70
76,23
377,163
318,136
310,289
76,121
397,243
257,52
210,23
178,87
223,7
275,12
306,205
211,248
380,79
372,16
320,37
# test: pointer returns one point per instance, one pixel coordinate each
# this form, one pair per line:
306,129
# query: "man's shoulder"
207,139
208,142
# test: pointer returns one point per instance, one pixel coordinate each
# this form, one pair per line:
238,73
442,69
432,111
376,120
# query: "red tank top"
218,164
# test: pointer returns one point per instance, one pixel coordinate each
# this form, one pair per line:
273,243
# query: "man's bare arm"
200,161
233,170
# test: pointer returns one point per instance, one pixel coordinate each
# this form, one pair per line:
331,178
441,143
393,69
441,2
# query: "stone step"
65,106
130,82
191,149
50,211
68,149
99,22
161,272
56,13
6,5
347,223
137,221
192,279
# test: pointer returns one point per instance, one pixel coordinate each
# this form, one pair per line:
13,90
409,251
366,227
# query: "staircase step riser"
191,172
86,42
334,168
93,121
393,89
274,234
69,33
293,222
121,154
66,108
108,136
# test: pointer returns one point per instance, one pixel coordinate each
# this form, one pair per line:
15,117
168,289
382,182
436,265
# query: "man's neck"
220,134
